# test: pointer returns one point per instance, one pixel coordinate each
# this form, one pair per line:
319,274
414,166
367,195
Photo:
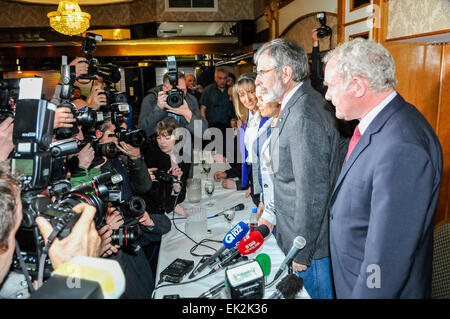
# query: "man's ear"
360,86
286,74
3,249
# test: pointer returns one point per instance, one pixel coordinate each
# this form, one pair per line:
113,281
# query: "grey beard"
273,94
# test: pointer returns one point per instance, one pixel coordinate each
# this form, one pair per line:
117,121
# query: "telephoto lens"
134,207
86,118
109,150
125,236
175,98
136,138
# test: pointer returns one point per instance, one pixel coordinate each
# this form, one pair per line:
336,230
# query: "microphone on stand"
235,208
298,244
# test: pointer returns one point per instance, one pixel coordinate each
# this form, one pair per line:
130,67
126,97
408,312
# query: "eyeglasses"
263,72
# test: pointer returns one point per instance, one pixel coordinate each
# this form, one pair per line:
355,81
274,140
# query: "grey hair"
286,53
367,59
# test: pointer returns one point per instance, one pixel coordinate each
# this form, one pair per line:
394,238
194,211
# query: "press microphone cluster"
231,239
248,245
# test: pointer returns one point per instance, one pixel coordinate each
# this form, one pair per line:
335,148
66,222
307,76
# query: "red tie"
355,138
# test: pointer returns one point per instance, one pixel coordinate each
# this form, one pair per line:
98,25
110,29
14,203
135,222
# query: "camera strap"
24,268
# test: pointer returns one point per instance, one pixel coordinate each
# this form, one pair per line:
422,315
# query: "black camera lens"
86,118
175,98
136,138
323,31
125,236
74,199
109,150
133,207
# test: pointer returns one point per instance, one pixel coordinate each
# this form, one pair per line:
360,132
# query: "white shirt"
289,95
251,132
366,120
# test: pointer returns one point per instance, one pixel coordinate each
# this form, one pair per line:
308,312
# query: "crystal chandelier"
69,19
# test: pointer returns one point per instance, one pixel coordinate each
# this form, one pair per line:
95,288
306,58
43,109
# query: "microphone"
248,245
229,241
288,287
298,244
265,263
84,278
235,208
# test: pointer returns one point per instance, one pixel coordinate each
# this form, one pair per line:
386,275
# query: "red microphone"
248,245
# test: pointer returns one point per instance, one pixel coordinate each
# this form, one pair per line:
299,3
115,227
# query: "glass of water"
209,189
196,225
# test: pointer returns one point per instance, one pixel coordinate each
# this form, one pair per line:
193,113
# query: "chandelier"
69,19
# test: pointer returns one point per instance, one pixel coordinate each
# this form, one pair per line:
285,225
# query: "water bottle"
253,221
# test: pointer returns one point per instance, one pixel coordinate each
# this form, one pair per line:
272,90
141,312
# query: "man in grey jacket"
307,164
154,108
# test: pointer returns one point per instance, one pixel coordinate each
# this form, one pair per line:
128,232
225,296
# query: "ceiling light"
69,19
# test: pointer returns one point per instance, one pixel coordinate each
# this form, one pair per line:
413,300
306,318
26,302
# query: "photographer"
82,241
154,108
160,155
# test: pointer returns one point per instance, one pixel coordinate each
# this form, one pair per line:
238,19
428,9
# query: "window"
358,4
191,5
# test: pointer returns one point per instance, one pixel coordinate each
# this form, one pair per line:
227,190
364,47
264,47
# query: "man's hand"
130,151
63,117
6,141
182,110
260,210
162,100
298,267
146,220
81,66
262,221
96,98
106,248
150,172
315,38
113,218
83,240
229,183
218,176
86,156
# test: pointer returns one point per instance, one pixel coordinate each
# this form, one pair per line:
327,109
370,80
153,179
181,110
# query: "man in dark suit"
382,208
306,161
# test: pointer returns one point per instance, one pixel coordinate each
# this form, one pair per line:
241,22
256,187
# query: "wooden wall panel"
443,131
423,73
418,72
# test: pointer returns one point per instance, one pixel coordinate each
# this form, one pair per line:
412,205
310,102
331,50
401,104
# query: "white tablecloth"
176,245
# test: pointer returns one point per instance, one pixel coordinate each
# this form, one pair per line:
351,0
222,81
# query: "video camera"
324,30
175,96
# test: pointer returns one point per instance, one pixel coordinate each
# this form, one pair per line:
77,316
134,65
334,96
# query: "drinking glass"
194,190
209,189
206,168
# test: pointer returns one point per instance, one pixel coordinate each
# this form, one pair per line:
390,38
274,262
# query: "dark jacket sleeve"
317,75
150,113
140,181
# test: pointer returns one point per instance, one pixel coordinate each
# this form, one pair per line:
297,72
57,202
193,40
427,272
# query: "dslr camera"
175,96
8,94
324,30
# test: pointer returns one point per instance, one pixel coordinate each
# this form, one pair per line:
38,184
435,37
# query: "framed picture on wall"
358,4
364,35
